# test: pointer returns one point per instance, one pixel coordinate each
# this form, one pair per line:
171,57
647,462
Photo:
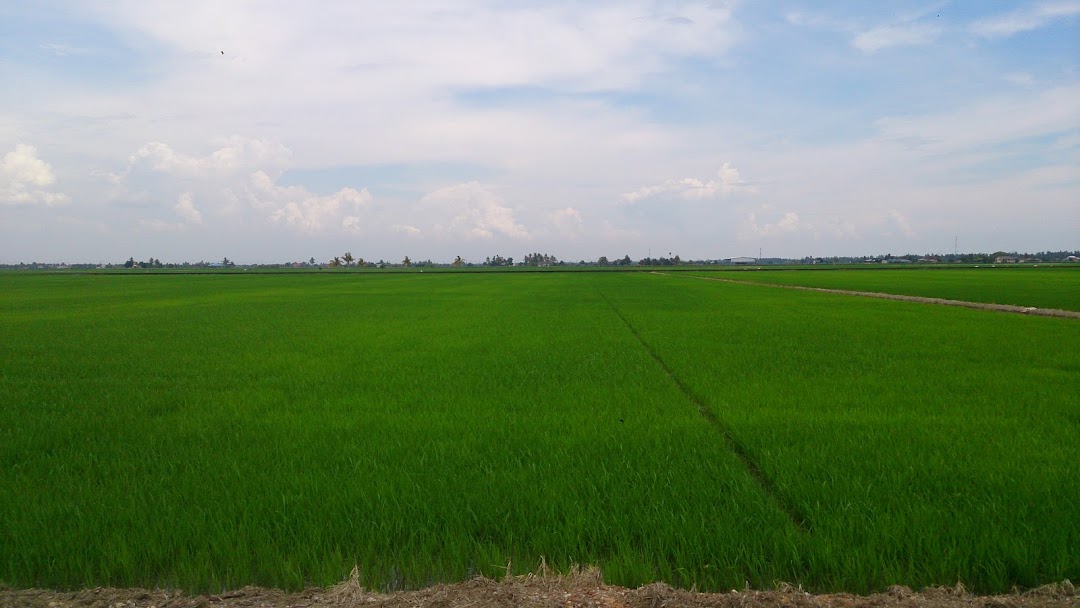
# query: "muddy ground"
578,589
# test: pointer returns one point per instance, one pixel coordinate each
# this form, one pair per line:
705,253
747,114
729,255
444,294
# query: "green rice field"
206,432
1054,287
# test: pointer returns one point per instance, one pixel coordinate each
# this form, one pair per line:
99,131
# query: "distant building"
742,261
1006,259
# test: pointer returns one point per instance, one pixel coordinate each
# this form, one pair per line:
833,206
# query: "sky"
271,131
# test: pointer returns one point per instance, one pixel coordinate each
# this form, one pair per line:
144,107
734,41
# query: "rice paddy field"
206,432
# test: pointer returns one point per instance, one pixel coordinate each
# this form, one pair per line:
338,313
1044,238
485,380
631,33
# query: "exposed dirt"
582,589
1023,310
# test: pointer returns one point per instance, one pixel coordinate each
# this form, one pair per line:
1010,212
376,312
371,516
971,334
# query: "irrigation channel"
1022,310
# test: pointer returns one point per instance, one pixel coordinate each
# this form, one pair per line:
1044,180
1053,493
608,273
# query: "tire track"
1023,310
786,505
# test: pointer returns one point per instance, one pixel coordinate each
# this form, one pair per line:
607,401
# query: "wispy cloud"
991,121
908,34
63,50
903,30
1028,18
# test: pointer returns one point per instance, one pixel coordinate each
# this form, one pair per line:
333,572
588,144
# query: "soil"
584,588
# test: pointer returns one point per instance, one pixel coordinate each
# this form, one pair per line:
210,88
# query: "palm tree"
458,261
348,258
334,263
406,262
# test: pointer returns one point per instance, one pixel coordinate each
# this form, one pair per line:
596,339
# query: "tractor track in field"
1010,308
786,505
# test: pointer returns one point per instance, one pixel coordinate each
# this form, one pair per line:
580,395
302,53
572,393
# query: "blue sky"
274,131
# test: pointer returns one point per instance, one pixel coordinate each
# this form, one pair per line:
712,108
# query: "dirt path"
579,589
1023,310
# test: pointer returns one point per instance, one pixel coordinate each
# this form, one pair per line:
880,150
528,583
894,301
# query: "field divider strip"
1010,308
788,507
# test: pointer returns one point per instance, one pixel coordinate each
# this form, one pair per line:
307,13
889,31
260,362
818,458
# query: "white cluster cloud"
567,221
766,222
237,180
234,177
901,222
185,208
235,154
160,225
296,207
790,222
471,210
692,188
406,229
24,179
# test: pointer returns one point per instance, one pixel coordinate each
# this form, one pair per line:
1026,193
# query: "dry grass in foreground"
580,588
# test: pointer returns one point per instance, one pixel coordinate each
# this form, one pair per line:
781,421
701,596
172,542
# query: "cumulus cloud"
185,208
25,167
788,223
235,180
471,210
567,221
691,188
406,229
234,154
765,222
24,178
1030,17
160,225
83,223
900,222
296,207
351,223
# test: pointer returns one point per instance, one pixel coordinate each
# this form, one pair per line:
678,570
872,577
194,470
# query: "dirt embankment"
579,589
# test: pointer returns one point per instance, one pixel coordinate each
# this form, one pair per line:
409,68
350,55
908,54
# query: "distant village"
539,260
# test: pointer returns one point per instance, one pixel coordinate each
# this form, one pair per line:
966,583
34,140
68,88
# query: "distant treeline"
549,260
